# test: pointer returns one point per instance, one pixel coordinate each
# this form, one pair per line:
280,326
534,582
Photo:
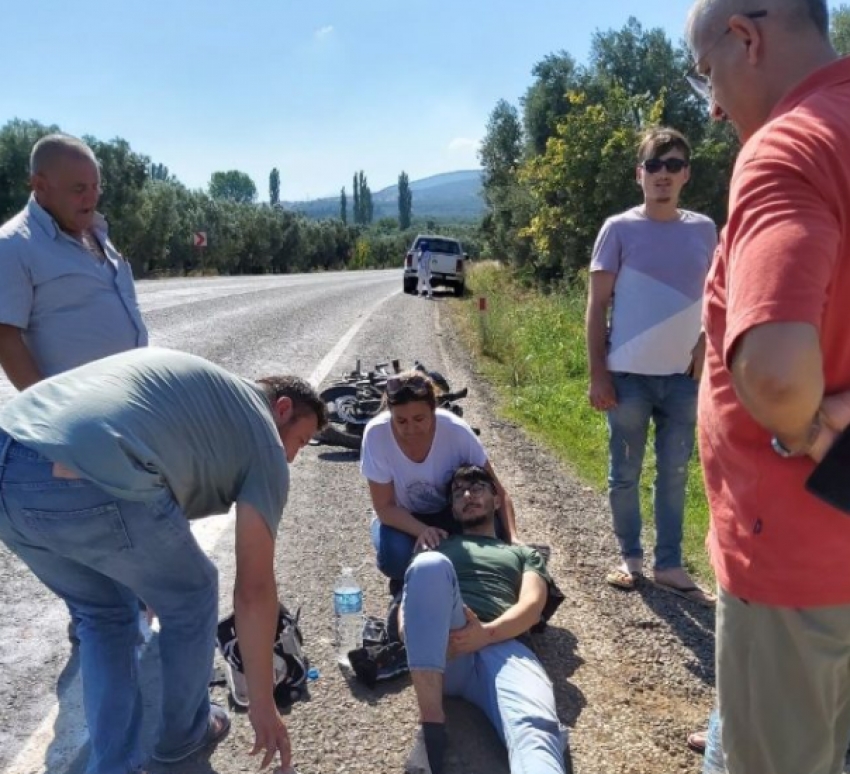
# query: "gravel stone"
632,672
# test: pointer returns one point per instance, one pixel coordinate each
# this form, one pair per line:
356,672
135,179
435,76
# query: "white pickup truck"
448,263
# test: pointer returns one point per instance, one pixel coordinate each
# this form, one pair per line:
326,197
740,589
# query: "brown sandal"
622,579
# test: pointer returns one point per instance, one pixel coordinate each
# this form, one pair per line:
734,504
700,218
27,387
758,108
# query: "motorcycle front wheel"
341,401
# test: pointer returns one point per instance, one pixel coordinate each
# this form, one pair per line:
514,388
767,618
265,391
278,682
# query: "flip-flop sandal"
691,593
621,579
217,729
697,741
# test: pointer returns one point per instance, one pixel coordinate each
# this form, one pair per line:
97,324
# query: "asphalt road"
311,325
632,674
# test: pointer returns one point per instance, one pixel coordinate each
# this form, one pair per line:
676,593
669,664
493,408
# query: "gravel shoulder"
633,672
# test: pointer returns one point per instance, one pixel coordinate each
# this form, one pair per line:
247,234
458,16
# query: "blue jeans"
670,402
101,555
394,548
505,680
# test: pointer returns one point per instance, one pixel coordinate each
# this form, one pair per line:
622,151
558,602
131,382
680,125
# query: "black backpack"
290,662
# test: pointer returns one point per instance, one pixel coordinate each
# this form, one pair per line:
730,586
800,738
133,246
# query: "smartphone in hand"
830,480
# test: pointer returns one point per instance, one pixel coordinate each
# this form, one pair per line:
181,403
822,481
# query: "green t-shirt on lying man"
489,572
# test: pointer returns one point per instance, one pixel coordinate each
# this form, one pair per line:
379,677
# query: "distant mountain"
447,196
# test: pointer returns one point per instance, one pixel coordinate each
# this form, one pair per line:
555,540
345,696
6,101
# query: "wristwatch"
783,451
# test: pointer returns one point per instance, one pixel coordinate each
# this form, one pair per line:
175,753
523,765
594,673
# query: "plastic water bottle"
713,763
348,612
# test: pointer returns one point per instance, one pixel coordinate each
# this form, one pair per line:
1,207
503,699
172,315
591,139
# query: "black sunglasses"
416,385
671,165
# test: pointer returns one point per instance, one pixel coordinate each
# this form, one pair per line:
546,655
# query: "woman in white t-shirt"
409,453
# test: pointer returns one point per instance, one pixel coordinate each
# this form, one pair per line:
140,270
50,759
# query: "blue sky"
317,88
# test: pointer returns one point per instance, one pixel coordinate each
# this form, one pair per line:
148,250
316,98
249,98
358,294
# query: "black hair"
472,473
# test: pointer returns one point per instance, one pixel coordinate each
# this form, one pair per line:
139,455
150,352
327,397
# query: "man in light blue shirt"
66,294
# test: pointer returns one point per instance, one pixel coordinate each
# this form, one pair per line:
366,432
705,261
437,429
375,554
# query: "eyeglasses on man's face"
701,84
475,489
673,165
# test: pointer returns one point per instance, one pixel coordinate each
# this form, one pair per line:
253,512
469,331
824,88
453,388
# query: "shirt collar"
42,217
47,223
830,75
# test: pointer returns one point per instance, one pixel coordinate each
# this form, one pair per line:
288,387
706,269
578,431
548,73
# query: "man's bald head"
65,179
710,17
748,54
54,147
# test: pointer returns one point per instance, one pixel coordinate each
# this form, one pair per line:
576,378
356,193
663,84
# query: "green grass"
532,348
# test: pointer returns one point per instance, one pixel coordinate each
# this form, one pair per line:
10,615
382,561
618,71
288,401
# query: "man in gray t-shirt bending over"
100,469
649,266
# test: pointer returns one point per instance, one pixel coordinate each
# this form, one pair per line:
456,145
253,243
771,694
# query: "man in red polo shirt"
777,321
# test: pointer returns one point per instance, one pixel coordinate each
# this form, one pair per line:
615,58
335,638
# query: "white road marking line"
64,740
329,360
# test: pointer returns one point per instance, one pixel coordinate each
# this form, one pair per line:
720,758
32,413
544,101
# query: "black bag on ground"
554,599
383,655
290,662
554,595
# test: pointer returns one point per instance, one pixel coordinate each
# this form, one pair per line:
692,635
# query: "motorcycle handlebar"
451,397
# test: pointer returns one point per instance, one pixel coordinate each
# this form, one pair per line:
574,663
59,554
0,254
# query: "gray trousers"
783,682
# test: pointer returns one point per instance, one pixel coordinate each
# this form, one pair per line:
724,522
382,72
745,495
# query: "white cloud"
463,144
323,32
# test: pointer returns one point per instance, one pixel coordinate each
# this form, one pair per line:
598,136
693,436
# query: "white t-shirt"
423,263
660,269
420,487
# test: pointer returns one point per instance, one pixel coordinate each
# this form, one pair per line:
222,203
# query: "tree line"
562,162
363,207
152,216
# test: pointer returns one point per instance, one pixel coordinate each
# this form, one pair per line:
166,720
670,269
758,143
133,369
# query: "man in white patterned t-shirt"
649,266
423,270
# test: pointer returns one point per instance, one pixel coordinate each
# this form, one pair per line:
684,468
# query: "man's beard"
475,522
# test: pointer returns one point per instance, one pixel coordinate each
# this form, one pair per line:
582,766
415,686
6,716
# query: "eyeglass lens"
475,488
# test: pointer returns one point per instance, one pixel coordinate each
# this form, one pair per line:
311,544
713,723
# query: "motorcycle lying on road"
357,396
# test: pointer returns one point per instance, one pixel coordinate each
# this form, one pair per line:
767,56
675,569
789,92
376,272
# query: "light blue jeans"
505,680
101,555
394,548
670,402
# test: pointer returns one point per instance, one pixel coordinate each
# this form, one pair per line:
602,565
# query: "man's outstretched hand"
271,737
